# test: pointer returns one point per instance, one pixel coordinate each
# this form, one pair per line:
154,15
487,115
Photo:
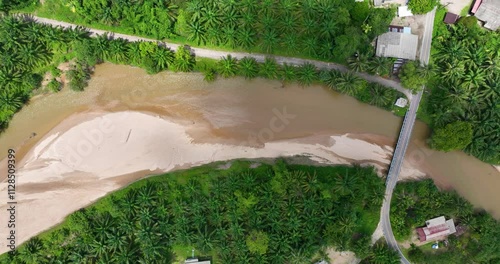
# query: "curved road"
403,141
217,54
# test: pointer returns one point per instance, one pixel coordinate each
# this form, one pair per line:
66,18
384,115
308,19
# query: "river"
240,112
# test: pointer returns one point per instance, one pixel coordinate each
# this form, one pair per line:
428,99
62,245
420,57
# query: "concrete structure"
401,102
436,228
489,13
451,18
397,45
403,11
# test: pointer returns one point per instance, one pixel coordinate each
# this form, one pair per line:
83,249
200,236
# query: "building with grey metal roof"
397,45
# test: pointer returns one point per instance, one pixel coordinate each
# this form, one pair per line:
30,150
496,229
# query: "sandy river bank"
88,154
128,124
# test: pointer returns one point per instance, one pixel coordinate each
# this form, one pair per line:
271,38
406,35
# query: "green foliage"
257,242
269,69
469,22
323,30
248,67
411,75
381,253
421,6
466,87
210,75
416,255
78,76
184,61
307,74
454,136
232,215
415,202
227,66
54,86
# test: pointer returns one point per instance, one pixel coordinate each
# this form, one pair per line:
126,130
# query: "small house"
436,228
397,45
451,18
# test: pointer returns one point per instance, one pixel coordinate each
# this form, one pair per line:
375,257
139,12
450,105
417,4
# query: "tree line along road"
217,54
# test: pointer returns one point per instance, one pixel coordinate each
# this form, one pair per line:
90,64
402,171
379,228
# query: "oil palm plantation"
349,83
227,66
248,67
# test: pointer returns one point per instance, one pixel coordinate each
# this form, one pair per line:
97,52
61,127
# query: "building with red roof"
436,228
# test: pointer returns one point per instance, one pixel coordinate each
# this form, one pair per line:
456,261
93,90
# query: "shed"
451,18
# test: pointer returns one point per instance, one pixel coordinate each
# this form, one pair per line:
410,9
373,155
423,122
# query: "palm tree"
288,24
382,254
329,78
307,74
358,63
33,55
248,67
289,72
246,38
269,69
248,19
349,83
211,17
346,184
380,95
309,46
230,36
227,66
325,50
327,29
10,100
32,251
381,65
210,75
269,40
231,17
195,10
184,61
118,51
290,43
164,57
134,53
196,33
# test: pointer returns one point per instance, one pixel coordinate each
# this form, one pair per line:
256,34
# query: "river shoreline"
157,115
92,154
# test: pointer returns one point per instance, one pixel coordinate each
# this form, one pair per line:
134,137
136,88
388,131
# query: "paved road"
403,141
217,54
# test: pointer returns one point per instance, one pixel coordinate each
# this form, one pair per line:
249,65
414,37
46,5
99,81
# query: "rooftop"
435,228
489,13
397,45
451,18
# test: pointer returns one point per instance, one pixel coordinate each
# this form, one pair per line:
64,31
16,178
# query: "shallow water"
238,111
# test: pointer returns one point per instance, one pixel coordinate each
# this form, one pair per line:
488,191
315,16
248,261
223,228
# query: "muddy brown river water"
244,112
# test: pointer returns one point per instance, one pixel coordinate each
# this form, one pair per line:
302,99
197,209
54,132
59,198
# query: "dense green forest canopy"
269,214
466,86
323,29
415,202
